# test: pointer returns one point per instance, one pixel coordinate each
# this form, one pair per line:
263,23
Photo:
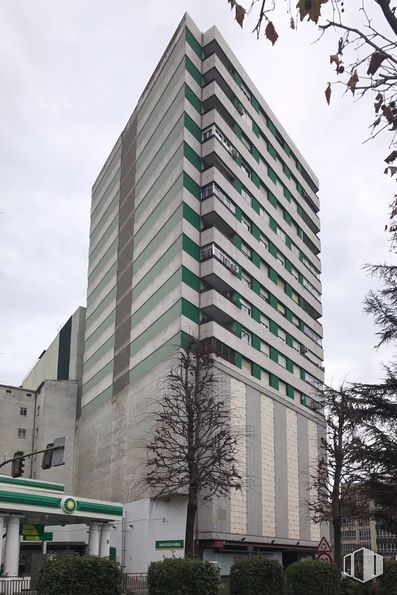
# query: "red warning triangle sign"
324,546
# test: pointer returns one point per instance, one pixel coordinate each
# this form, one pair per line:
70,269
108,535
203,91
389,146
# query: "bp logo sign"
363,565
69,504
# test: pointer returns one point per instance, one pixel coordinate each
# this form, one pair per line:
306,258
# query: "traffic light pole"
31,454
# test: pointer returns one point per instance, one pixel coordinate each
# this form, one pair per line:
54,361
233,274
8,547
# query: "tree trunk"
191,522
337,525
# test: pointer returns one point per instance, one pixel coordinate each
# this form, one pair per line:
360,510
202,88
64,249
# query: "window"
263,240
294,273
246,168
296,345
246,250
8,391
246,223
295,249
246,91
245,307
295,298
246,336
280,259
264,320
265,348
246,279
246,195
23,411
21,433
264,294
282,334
36,432
207,133
281,308
38,410
246,143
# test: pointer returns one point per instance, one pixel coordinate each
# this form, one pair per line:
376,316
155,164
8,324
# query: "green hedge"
313,577
80,575
182,576
257,576
388,580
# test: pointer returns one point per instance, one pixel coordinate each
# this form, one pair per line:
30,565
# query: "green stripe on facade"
109,320
190,279
98,376
32,483
191,68
191,125
154,330
191,185
192,156
149,305
192,98
97,401
101,307
102,350
190,247
190,311
190,215
194,44
171,253
156,357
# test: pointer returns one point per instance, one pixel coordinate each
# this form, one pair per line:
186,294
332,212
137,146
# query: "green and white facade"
204,222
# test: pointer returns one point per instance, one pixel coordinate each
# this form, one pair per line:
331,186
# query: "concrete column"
11,555
104,543
93,539
2,531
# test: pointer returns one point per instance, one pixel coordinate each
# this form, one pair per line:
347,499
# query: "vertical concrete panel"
293,474
238,499
304,479
254,467
281,469
313,462
268,467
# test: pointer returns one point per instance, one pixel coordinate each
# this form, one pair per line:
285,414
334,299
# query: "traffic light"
54,454
18,465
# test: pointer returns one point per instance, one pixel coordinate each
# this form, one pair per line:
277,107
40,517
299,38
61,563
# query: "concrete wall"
12,401
56,417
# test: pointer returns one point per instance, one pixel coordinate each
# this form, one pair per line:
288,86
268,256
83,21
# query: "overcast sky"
71,73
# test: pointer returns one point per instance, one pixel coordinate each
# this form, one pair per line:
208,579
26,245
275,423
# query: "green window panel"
194,44
192,98
288,242
191,68
287,171
272,150
239,214
237,329
272,249
256,205
302,372
192,156
273,275
273,328
273,354
271,126
191,185
287,218
272,199
190,247
239,360
274,381
256,314
255,104
288,265
190,279
273,301
191,125
190,311
256,342
256,286
289,365
272,174
255,231
273,224
237,78
287,194
255,370
288,340
237,241
290,392
256,154
288,314
288,289
237,130
255,258
238,185
256,129
190,215
256,179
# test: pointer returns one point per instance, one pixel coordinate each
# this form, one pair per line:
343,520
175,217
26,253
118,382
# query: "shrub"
182,576
257,576
314,577
388,580
350,586
80,575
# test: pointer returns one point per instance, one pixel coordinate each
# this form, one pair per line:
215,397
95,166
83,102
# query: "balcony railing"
212,251
17,586
214,190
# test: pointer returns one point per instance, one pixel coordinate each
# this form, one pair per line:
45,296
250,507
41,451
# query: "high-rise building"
204,222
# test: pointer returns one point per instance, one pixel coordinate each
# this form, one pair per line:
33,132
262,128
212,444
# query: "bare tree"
363,54
193,449
337,478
